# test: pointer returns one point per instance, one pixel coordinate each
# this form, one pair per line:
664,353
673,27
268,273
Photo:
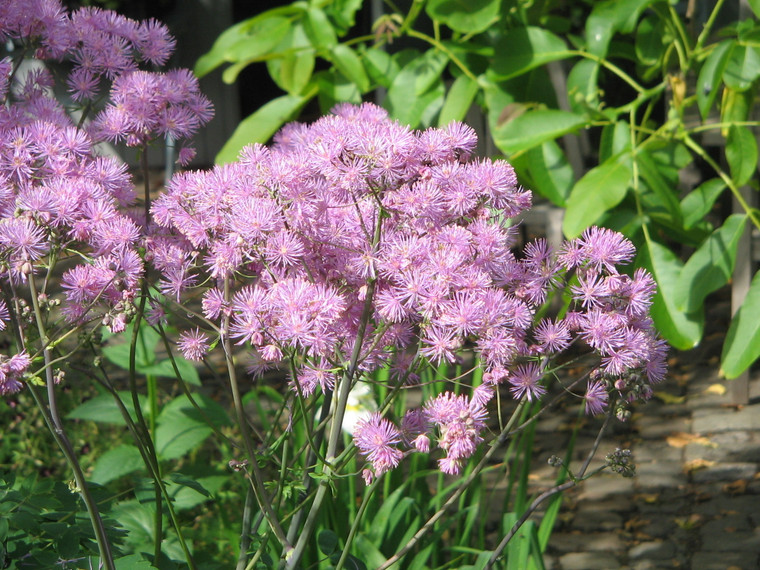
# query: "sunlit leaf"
742,345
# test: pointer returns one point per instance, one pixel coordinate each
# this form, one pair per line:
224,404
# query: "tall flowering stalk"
356,242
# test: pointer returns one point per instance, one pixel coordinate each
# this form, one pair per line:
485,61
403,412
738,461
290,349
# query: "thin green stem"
707,29
254,475
704,155
440,46
56,427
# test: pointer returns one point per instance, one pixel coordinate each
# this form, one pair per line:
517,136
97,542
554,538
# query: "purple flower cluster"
60,200
292,243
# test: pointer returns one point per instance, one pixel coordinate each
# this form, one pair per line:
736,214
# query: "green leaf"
610,17
116,463
319,29
582,88
145,348
551,172
182,428
600,189
261,125
103,409
741,153
164,368
650,47
466,16
742,345
380,66
534,128
698,203
327,541
293,71
521,49
616,138
755,6
371,554
257,36
711,266
417,91
710,77
742,67
133,562
335,88
343,14
736,106
458,100
348,63
653,175
682,330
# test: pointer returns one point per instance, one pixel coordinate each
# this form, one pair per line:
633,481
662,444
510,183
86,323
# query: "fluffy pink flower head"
376,437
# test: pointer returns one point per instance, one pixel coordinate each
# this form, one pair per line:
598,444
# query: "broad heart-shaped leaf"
711,266
466,16
600,189
521,49
551,172
103,409
698,203
458,100
182,428
742,67
534,128
741,153
261,125
710,76
682,330
115,463
348,63
742,345
610,17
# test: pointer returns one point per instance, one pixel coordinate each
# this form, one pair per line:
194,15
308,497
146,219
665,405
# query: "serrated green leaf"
466,16
319,29
521,49
600,189
742,345
741,153
698,203
261,125
116,463
348,63
711,266
458,100
742,67
551,172
682,330
133,562
103,409
608,18
710,77
534,128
